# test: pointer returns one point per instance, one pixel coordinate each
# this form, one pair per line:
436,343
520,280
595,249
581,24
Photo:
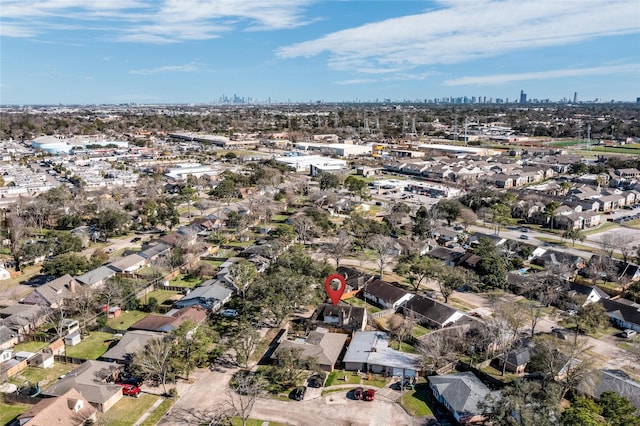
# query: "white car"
628,333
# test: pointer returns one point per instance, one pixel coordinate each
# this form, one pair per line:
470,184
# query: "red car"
130,390
369,394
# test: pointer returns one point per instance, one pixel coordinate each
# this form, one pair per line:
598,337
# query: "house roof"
209,294
166,323
518,357
324,347
619,382
6,334
372,347
348,316
623,309
89,379
445,254
52,292
132,342
462,391
586,290
70,408
355,279
430,309
96,275
125,263
385,291
154,250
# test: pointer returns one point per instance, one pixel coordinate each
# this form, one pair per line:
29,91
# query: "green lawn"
497,374
8,412
44,376
126,319
337,377
354,301
417,402
159,412
419,331
405,347
279,218
126,411
237,421
91,347
32,346
214,263
160,295
376,380
183,280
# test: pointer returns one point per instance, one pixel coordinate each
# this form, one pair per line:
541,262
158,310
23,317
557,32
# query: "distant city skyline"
276,51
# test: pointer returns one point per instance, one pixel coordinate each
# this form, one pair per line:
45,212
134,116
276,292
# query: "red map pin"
335,294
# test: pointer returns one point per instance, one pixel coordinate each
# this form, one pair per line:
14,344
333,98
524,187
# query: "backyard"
91,347
126,319
44,376
11,411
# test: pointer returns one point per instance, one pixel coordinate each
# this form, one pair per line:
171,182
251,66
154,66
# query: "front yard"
126,411
418,402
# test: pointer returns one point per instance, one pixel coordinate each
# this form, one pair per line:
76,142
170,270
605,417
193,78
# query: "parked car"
629,333
298,393
369,394
524,237
560,333
229,313
317,380
358,393
130,390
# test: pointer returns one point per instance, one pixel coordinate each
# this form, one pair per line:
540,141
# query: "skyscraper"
523,97
575,97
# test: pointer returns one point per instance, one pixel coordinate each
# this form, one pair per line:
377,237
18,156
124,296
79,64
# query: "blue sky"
194,51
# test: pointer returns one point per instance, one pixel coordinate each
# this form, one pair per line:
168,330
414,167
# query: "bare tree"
400,326
155,360
467,217
384,248
441,348
338,247
243,392
623,241
244,342
242,273
304,226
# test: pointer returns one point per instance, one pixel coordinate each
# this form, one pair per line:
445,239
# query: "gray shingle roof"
462,391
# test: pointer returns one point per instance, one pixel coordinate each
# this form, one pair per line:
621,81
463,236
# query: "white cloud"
356,81
167,69
461,31
151,21
543,75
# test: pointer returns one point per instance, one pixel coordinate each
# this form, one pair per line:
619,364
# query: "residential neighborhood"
177,277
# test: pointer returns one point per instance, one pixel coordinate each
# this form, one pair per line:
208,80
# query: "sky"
196,51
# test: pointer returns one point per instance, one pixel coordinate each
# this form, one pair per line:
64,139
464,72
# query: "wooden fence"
68,359
21,399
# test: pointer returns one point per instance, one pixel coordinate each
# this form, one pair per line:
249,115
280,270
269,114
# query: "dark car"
317,380
369,394
298,393
130,390
358,393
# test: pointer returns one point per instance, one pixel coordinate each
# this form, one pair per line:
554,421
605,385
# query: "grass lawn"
337,377
419,331
279,218
92,347
497,374
32,346
417,402
44,376
8,412
126,411
27,273
407,348
605,226
354,301
214,263
237,421
376,380
459,304
160,295
126,319
183,280
159,412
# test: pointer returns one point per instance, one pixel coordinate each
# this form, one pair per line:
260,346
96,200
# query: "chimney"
72,286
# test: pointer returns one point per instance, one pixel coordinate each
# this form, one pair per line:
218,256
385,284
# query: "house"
128,264
325,347
172,320
211,295
614,269
155,251
623,313
23,319
356,280
8,338
557,258
96,277
430,312
448,256
592,294
461,393
53,293
516,360
342,317
132,342
619,382
70,408
92,380
385,294
369,351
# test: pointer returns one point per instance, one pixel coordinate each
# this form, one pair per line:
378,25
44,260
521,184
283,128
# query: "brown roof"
167,323
70,408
